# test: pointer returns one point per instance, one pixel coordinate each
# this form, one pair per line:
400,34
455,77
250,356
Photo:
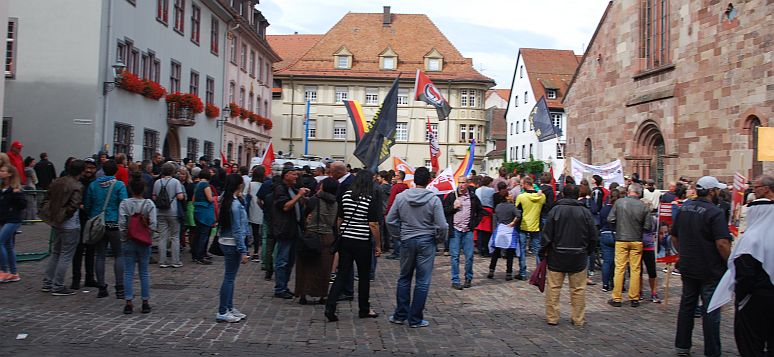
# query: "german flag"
358,119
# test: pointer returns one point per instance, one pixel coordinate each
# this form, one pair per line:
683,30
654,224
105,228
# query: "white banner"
443,183
610,172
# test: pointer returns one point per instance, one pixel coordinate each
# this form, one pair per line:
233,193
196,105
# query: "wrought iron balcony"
178,115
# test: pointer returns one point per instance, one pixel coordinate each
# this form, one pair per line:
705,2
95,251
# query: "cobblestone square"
492,318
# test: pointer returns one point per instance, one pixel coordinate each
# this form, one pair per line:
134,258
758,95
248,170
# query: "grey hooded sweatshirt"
417,212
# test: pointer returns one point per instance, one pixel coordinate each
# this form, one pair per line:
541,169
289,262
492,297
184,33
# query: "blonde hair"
15,180
4,160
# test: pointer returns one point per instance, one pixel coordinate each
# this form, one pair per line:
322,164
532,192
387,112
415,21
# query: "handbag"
94,229
310,244
248,198
215,247
138,228
538,277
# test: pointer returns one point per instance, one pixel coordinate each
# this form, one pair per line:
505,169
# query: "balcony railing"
178,115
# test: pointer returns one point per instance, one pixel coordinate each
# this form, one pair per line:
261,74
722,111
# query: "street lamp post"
221,122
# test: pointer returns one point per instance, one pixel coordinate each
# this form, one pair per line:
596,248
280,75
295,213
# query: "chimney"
387,19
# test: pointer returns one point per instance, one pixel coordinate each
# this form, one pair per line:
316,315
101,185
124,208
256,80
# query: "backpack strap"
107,197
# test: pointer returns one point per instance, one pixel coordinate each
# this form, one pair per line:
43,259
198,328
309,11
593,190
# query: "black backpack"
162,199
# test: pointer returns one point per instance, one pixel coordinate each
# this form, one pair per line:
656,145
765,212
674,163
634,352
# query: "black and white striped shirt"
356,215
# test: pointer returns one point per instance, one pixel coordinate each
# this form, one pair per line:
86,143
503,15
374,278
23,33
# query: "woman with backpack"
313,272
204,216
168,193
136,219
233,226
12,203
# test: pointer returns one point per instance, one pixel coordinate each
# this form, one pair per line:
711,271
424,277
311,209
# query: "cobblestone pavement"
494,317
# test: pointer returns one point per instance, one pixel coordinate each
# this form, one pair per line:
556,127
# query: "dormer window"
551,93
388,60
434,61
388,63
342,59
342,62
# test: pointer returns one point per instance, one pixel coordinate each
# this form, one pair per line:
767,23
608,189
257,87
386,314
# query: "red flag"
268,158
435,149
426,91
553,181
224,162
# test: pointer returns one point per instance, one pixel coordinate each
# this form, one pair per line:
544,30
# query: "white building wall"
520,135
139,24
53,102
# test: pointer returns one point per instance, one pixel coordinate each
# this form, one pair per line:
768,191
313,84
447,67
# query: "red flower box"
153,90
186,100
244,114
235,110
130,82
212,111
267,124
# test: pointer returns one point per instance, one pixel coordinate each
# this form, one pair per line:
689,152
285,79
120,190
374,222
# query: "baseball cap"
708,182
90,160
17,144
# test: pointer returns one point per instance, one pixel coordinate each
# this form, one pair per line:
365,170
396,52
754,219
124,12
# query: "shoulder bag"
94,228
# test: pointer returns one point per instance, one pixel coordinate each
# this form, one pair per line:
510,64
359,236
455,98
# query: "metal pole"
448,122
292,105
306,128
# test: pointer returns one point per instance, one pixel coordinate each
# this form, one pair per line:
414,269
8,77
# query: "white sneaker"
237,313
227,317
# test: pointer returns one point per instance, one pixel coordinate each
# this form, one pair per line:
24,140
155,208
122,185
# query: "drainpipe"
292,105
107,63
448,122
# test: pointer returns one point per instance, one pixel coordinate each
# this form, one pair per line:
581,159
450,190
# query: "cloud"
489,31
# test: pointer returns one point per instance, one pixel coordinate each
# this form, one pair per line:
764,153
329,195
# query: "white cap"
708,182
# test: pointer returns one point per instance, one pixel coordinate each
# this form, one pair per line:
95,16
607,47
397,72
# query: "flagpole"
448,123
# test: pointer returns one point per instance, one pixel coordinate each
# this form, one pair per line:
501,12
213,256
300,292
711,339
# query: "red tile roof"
549,69
410,36
291,47
502,92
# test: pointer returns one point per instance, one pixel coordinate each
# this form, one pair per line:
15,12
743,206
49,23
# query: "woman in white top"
254,210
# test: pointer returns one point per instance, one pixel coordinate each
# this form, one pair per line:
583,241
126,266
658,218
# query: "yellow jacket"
531,204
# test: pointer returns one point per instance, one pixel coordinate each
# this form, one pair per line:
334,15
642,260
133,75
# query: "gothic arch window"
752,123
587,151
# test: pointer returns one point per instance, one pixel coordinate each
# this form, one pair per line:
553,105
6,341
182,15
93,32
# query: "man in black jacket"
463,212
45,171
568,237
286,226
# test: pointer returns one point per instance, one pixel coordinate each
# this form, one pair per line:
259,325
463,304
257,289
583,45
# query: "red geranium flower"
212,111
235,110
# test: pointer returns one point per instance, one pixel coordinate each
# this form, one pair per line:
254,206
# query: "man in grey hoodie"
417,218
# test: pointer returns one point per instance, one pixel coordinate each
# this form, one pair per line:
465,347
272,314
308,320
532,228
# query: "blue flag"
541,121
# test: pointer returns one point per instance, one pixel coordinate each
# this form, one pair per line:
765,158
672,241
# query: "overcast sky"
489,31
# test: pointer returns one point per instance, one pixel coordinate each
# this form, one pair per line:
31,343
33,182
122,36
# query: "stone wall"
719,75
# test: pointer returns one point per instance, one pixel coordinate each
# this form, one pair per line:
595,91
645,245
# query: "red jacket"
394,191
123,174
18,163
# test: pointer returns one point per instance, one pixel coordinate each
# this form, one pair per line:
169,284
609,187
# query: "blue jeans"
534,246
418,255
607,247
114,238
232,258
283,264
7,254
140,254
692,290
462,240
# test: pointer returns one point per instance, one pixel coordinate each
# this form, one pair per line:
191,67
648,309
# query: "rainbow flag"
467,162
358,119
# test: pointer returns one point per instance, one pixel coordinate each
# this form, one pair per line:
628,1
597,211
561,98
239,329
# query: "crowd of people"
331,224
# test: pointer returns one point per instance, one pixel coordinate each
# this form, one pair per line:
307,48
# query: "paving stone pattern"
492,318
